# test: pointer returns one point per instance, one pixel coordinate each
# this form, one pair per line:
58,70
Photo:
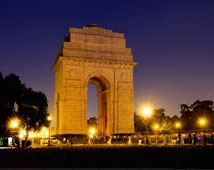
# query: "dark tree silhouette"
191,114
139,123
160,118
31,105
92,121
2,106
33,110
11,89
158,115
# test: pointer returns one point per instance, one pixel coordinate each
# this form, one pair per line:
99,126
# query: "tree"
2,107
158,117
139,123
186,117
165,123
175,119
31,105
32,111
92,121
190,114
11,89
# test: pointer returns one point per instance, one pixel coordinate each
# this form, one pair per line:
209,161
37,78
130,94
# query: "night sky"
172,41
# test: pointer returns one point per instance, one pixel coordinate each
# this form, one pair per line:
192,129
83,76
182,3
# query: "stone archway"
99,56
103,88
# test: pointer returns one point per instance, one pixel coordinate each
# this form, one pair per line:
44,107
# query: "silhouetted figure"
147,140
194,138
179,138
189,138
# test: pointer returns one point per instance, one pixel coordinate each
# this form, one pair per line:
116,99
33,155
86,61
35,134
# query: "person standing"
189,138
179,138
194,138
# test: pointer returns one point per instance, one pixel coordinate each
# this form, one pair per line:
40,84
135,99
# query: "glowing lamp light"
147,112
32,134
22,133
49,118
156,127
43,133
92,131
202,122
178,125
14,123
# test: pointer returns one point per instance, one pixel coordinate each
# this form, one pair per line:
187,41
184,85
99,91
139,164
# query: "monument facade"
99,56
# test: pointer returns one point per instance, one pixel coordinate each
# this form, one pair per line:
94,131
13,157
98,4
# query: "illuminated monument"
99,56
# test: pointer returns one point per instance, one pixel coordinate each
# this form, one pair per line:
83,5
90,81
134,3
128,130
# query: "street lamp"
14,124
91,132
156,128
202,123
49,134
178,127
147,113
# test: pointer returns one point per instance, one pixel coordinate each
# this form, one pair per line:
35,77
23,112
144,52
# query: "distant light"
92,131
43,133
49,118
32,134
178,125
202,121
156,127
22,133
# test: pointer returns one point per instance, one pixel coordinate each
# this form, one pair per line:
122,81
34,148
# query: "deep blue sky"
172,40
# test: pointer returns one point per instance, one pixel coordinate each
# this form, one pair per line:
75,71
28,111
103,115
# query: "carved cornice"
97,62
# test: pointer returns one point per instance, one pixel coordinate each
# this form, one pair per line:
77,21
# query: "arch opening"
92,107
100,100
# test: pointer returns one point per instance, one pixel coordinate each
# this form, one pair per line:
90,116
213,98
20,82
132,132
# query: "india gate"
98,56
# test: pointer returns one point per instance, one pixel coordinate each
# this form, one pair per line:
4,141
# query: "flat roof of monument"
96,30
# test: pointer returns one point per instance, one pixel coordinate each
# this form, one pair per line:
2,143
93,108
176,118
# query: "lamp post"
178,127
14,124
49,134
202,123
147,113
156,128
92,132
